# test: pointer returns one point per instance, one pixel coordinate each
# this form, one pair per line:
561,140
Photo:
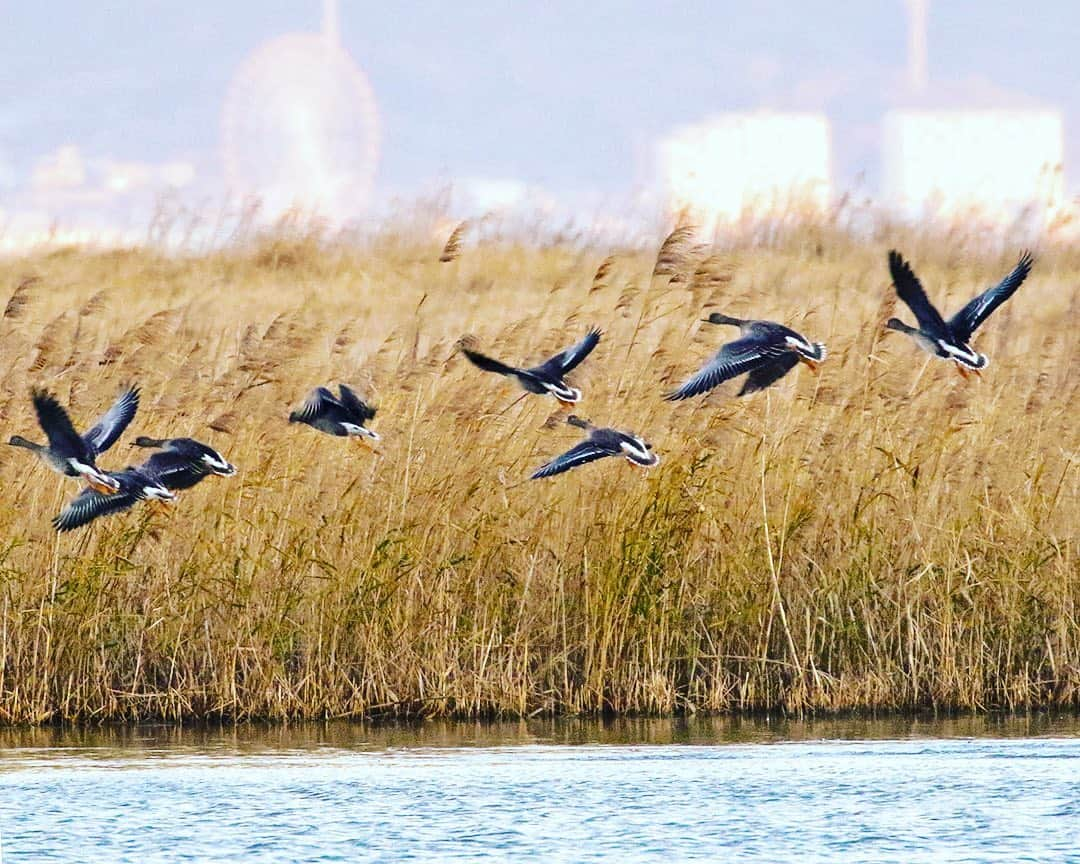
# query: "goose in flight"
601,442
132,485
765,349
949,339
70,453
183,462
549,376
345,415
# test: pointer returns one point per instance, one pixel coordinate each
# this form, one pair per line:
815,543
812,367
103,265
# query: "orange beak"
811,365
101,487
564,403
366,443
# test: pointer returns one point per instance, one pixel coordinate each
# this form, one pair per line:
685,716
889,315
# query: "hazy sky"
568,96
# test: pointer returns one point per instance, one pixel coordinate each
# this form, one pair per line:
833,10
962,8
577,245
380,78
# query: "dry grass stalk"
600,278
673,254
20,298
876,537
225,422
452,250
94,305
50,342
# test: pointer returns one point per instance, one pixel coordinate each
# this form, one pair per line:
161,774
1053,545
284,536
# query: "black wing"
586,451
319,403
487,363
965,322
88,505
910,290
566,360
770,373
58,427
174,470
113,423
355,405
742,355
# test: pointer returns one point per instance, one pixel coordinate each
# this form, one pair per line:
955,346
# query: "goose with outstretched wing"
765,350
70,453
949,339
549,376
600,443
183,462
345,415
132,486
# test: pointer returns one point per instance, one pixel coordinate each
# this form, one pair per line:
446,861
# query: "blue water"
511,796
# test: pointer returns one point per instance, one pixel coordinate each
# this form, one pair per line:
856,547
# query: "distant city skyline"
101,111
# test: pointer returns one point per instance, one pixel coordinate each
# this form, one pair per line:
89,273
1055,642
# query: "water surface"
721,790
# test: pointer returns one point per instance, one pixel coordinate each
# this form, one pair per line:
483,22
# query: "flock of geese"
765,351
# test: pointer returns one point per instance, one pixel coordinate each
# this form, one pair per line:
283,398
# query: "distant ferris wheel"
300,126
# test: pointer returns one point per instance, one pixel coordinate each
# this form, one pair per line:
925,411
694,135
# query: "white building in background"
759,164
997,164
300,126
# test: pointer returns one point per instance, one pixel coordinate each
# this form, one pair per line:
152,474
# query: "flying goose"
765,349
132,485
183,462
600,442
70,453
549,376
949,339
344,415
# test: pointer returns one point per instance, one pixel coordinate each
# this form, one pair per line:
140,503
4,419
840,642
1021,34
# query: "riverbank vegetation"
885,535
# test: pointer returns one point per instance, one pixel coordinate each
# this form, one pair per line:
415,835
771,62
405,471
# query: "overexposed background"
567,108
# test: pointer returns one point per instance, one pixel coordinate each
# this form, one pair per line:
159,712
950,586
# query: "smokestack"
331,33
917,15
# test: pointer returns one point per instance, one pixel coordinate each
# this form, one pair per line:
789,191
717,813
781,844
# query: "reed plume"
882,536
452,250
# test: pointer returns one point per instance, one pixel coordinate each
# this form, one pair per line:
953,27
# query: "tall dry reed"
884,535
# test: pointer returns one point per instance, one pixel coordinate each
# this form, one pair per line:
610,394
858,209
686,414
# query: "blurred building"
761,163
300,126
998,164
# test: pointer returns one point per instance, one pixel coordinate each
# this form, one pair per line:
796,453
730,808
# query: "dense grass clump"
885,535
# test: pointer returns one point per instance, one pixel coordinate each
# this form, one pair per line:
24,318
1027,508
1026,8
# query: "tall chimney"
331,33
917,15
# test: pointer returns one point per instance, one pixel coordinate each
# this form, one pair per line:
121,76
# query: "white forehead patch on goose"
215,462
562,391
638,452
958,351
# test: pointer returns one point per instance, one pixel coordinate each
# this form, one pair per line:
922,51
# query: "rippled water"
974,790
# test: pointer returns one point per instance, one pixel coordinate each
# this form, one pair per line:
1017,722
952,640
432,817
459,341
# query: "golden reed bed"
881,536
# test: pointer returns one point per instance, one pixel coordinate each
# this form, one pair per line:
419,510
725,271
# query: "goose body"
183,462
345,415
950,339
600,443
132,485
547,378
766,350
70,453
